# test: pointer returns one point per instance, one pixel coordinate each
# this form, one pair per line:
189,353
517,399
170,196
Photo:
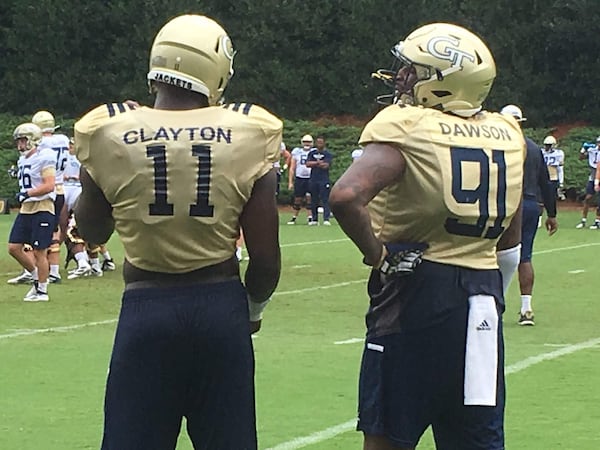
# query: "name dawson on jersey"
471,130
207,133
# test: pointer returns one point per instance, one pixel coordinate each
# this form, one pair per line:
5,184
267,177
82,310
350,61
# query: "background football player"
555,161
299,178
35,222
592,154
59,144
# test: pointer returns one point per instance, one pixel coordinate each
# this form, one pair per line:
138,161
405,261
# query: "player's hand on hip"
402,258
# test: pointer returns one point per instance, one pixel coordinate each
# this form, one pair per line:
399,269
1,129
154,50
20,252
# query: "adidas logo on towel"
484,326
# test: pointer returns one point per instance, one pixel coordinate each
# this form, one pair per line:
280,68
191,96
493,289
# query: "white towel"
481,355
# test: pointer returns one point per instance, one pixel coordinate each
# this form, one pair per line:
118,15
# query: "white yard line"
328,433
54,329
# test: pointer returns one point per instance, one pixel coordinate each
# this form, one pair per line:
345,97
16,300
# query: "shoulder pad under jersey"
392,124
271,126
94,119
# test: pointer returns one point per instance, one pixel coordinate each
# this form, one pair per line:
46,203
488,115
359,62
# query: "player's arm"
95,222
292,172
378,167
287,156
260,223
47,184
325,163
311,160
549,197
512,235
561,169
597,179
548,194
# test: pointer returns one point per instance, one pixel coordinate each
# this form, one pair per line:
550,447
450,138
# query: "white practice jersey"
72,167
593,156
72,185
59,143
32,169
300,155
554,159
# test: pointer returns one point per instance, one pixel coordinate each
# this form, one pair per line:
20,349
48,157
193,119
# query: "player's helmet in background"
441,66
193,52
307,141
550,140
31,132
515,111
45,121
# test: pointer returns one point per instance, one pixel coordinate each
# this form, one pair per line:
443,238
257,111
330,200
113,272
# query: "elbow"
341,202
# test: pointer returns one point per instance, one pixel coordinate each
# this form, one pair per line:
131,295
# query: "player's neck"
170,98
30,152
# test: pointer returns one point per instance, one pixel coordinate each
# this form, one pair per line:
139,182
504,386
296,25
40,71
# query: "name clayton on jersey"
206,133
472,130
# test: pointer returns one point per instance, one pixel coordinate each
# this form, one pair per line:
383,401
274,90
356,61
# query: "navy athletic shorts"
179,352
34,229
413,378
301,187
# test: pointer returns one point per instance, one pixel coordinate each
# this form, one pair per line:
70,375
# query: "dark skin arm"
260,222
380,165
512,235
92,211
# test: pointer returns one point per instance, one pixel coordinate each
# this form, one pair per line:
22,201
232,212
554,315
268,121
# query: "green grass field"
54,356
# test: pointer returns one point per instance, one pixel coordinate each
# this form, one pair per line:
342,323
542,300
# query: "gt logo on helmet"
449,52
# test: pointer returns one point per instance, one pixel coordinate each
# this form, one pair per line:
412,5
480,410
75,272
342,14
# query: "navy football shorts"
34,229
414,378
589,190
301,187
531,214
179,352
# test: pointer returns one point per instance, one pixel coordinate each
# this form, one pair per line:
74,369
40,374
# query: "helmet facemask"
402,77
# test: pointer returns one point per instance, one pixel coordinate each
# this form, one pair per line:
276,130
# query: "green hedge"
340,140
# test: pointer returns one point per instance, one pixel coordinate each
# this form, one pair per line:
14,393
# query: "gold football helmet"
31,131
193,52
550,140
45,121
441,66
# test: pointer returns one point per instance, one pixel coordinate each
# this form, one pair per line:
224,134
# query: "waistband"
136,278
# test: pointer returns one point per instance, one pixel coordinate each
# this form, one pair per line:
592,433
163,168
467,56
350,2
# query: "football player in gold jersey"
437,185
177,182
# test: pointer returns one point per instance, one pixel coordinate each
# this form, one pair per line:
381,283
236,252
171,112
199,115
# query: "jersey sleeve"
92,121
47,162
272,129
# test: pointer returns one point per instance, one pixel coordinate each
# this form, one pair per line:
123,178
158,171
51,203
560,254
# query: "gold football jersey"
178,180
462,184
